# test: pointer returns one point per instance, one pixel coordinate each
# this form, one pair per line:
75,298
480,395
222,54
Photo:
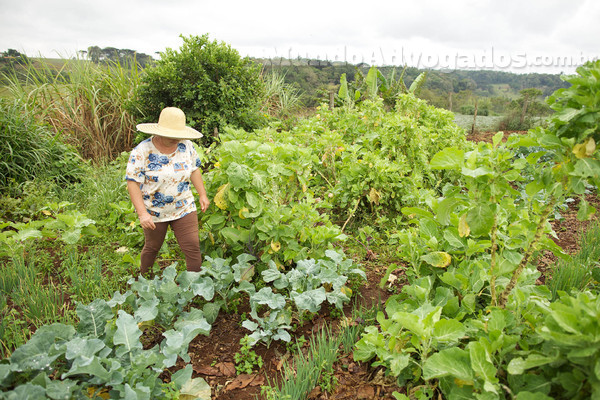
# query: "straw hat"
171,124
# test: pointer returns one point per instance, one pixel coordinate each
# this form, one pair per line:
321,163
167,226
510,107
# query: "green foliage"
31,150
282,100
472,295
307,287
262,203
362,162
209,81
105,349
577,108
246,360
375,84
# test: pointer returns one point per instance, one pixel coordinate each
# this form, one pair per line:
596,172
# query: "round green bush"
209,81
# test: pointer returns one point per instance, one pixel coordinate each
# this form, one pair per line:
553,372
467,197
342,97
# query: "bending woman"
159,173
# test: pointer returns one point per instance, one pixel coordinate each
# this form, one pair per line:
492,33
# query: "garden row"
472,322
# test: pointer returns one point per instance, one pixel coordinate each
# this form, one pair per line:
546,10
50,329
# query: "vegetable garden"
363,247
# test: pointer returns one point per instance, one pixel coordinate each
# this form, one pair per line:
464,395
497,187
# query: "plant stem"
538,235
493,259
352,213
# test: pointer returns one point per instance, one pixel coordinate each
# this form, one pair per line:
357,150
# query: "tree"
209,81
528,95
94,53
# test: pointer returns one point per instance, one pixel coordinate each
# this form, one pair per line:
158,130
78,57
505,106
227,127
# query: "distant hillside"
315,78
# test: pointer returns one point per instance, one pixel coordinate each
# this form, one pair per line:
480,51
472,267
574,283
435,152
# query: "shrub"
209,81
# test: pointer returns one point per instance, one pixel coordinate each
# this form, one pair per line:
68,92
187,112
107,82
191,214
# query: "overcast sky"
542,35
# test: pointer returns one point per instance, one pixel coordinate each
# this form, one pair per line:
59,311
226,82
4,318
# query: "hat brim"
155,129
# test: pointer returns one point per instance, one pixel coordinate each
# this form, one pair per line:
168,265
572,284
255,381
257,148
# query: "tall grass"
90,104
281,99
29,149
576,273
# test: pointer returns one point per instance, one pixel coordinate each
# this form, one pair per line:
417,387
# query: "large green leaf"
519,365
343,92
398,362
127,334
449,362
371,81
61,389
483,367
235,235
93,317
147,310
587,167
83,348
266,296
34,355
418,83
71,236
310,300
438,259
91,366
195,389
410,322
448,330
480,219
239,175
449,158
26,391
25,234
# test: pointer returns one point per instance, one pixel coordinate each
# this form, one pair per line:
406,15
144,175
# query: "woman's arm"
198,183
135,193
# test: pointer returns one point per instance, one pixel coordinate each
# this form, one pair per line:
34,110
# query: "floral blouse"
164,179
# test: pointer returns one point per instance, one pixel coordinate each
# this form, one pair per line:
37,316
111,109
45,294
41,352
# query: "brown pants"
186,232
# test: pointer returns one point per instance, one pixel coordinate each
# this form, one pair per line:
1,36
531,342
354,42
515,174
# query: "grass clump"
577,273
31,150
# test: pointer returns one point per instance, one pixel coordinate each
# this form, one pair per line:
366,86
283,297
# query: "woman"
159,173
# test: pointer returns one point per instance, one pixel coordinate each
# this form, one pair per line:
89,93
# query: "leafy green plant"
246,360
262,204
568,354
472,298
104,352
327,381
375,84
214,86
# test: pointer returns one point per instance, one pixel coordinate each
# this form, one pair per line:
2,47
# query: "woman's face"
169,142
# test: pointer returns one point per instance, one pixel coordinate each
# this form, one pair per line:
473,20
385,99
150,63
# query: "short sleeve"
135,167
196,163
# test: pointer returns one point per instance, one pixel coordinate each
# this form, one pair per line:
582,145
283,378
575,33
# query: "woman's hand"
204,203
146,221
198,183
